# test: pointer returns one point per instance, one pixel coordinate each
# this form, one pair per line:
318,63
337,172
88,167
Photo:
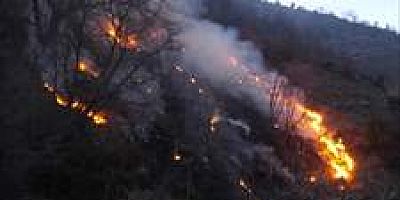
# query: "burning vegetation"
87,68
117,33
333,151
96,117
308,122
137,71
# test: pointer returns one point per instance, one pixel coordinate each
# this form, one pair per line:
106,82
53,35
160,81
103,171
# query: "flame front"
115,32
332,150
61,100
97,117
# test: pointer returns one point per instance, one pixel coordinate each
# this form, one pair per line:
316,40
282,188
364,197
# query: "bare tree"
103,53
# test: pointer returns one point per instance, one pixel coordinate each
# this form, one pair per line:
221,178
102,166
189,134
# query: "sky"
382,11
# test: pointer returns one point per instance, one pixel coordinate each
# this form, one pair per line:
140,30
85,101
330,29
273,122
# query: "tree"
98,54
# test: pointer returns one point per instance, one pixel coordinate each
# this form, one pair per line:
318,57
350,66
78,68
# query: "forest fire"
99,118
84,66
332,150
61,100
312,179
194,100
116,33
96,117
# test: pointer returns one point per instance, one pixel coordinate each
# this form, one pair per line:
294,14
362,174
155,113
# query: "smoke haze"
210,50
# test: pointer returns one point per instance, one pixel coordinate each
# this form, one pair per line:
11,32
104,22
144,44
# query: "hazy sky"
382,11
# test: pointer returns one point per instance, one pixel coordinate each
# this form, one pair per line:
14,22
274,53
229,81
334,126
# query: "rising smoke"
208,48
216,55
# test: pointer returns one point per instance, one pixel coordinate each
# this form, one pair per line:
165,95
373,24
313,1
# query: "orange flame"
98,118
125,40
131,41
244,185
215,119
312,179
61,100
84,67
332,150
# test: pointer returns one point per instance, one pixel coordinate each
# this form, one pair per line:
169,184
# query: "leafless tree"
103,52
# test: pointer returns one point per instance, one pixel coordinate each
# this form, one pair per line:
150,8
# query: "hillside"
125,100
350,68
296,34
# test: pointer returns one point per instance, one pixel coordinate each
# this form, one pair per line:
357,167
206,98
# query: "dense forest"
130,99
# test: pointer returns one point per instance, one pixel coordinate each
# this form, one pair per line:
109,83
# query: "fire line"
331,150
96,117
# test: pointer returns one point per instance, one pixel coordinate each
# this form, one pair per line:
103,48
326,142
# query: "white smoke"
208,50
216,55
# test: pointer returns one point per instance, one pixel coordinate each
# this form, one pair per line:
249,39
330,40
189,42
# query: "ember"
312,179
99,118
48,87
342,188
214,120
242,183
85,67
178,68
82,66
245,186
177,156
341,164
61,100
201,91
193,80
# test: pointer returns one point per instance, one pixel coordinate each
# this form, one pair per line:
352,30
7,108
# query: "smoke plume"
210,52
215,55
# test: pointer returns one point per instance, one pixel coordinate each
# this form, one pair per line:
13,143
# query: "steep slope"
286,33
348,69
